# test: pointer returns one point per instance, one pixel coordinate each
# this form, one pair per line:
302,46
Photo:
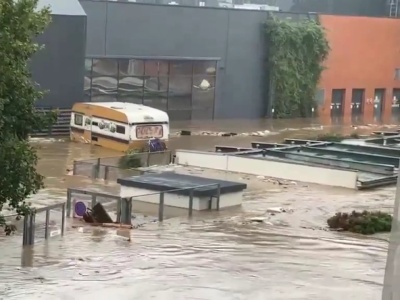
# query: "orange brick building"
362,76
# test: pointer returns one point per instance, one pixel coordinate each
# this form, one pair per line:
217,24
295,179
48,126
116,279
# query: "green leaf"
297,50
20,23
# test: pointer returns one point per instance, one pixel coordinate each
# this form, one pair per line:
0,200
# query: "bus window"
78,120
120,129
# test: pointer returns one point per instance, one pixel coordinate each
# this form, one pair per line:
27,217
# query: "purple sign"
80,208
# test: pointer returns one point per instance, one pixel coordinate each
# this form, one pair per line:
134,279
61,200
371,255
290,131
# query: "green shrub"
365,222
131,160
333,137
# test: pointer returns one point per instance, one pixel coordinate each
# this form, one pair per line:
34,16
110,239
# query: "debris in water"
98,216
257,220
278,210
222,133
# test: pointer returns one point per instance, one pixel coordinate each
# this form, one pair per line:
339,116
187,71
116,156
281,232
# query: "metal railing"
111,168
161,203
124,204
28,236
61,126
124,208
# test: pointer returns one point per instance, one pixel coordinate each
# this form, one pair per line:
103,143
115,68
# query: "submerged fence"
31,223
190,198
123,205
111,168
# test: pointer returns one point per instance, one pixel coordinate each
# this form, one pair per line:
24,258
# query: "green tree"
20,23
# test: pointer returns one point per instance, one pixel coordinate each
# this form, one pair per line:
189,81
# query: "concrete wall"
181,201
233,36
269,168
375,8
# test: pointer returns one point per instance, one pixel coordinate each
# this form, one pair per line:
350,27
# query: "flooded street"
214,256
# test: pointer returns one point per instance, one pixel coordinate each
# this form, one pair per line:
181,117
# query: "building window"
203,96
357,101
396,98
104,80
120,129
183,88
131,80
78,120
180,90
337,102
397,74
88,80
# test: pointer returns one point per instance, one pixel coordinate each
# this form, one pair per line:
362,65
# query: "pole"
391,288
69,204
218,196
191,194
74,168
93,200
63,219
106,171
161,208
46,228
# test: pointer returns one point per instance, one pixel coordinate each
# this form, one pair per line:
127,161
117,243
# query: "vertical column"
347,104
391,288
218,195
74,168
106,171
368,103
191,193
126,211
63,219
93,200
69,203
161,208
46,228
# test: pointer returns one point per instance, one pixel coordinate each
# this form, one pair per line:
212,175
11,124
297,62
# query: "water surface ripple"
218,256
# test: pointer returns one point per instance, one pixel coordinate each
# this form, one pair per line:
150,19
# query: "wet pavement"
218,255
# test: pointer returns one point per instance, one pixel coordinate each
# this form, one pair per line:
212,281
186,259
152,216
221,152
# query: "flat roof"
134,112
63,7
163,182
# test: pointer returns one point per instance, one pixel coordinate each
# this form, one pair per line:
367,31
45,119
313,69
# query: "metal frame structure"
101,170
124,208
376,164
28,236
89,73
124,204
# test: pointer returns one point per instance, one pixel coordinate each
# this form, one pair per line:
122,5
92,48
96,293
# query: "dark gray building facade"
193,62
59,67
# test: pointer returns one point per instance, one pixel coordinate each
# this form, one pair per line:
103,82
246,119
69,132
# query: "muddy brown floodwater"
214,256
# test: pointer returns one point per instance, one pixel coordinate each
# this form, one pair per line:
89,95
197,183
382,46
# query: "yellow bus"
119,126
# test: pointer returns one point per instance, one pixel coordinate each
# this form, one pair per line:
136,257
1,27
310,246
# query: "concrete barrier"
270,168
210,160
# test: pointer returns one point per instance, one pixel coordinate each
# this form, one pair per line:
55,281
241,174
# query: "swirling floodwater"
219,255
